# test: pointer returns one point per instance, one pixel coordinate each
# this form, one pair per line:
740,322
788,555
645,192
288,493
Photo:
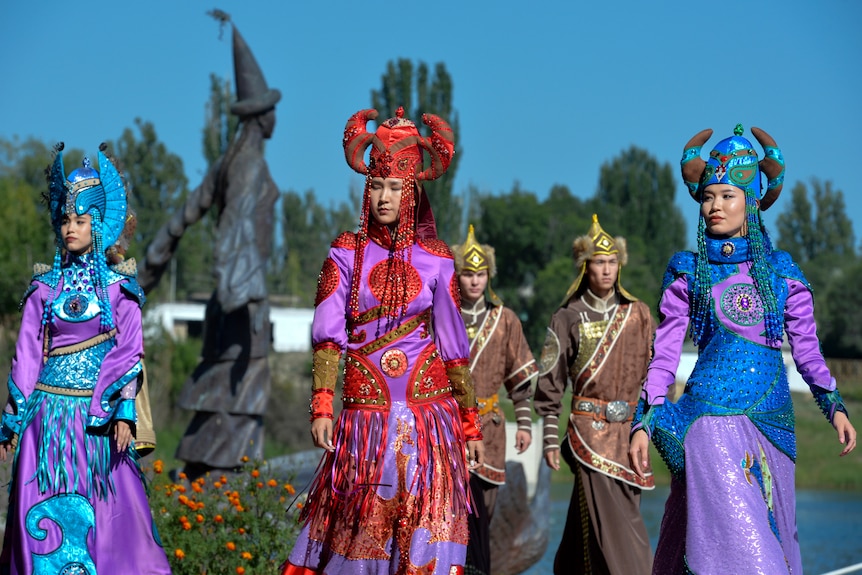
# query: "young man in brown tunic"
600,340
499,355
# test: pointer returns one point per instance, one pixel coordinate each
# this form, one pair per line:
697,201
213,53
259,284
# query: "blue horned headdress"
734,161
102,195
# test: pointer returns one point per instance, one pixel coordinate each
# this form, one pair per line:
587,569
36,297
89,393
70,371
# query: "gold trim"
64,390
81,346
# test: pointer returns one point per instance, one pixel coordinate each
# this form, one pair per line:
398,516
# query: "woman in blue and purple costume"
392,492
729,440
77,501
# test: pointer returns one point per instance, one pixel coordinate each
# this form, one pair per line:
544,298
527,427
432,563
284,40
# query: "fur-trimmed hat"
597,242
474,257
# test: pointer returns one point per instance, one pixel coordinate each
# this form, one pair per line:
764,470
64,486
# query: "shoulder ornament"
550,352
134,290
346,240
680,264
437,247
327,281
784,266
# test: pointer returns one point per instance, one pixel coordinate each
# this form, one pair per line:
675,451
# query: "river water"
829,523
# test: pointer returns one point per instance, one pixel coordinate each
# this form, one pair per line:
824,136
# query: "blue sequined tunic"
729,439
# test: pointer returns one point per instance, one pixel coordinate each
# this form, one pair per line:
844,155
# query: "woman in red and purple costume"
391,494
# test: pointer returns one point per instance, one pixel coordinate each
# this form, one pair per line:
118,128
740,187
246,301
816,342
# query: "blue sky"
545,91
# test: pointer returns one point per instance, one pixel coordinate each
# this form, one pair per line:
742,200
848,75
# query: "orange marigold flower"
197,488
158,466
218,519
246,555
235,494
183,499
181,488
240,570
217,484
289,488
183,475
179,553
255,473
184,519
187,526
245,458
231,546
201,505
241,530
239,508
260,485
272,483
223,479
299,505
282,499
199,518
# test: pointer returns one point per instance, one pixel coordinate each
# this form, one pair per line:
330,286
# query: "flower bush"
224,524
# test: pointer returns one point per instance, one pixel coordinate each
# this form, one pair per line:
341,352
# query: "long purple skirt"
76,506
735,509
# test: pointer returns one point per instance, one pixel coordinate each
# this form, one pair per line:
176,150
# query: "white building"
291,327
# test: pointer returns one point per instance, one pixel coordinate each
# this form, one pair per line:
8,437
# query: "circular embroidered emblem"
727,249
75,305
742,304
394,363
395,276
74,569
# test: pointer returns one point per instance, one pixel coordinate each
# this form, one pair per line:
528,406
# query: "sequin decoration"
742,304
401,274
394,363
436,247
327,281
455,291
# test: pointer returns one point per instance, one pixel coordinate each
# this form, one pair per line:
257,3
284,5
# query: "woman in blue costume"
77,503
729,440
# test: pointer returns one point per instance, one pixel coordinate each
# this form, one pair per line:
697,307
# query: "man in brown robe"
599,339
499,354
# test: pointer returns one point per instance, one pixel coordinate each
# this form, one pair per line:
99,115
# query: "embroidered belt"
81,346
395,334
64,390
612,411
488,404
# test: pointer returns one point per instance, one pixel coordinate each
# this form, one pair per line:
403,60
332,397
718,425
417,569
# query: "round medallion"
394,363
727,249
394,276
75,305
742,304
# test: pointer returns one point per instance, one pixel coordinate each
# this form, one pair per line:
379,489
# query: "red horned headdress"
396,152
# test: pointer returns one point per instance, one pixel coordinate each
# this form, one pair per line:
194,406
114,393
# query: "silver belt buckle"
588,406
617,411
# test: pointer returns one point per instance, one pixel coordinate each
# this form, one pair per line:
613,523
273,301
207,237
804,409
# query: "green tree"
433,95
636,199
823,244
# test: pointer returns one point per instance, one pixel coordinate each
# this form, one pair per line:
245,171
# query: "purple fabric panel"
27,362
450,335
128,348
669,336
329,319
124,514
728,515
802,336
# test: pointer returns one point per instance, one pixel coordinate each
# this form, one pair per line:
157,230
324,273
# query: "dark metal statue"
229,389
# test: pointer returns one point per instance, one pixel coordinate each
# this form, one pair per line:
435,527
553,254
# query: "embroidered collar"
600,305
727,250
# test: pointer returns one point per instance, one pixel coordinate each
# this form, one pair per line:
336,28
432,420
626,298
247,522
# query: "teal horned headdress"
102,195
734,161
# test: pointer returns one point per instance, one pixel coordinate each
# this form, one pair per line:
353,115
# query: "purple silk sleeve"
802,336
27,362
450,335
125,356
669,336
329,323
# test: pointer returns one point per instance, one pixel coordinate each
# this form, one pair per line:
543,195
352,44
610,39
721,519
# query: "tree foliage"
822,242
433,95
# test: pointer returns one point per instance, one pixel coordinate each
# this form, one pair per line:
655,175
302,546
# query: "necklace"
473,312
